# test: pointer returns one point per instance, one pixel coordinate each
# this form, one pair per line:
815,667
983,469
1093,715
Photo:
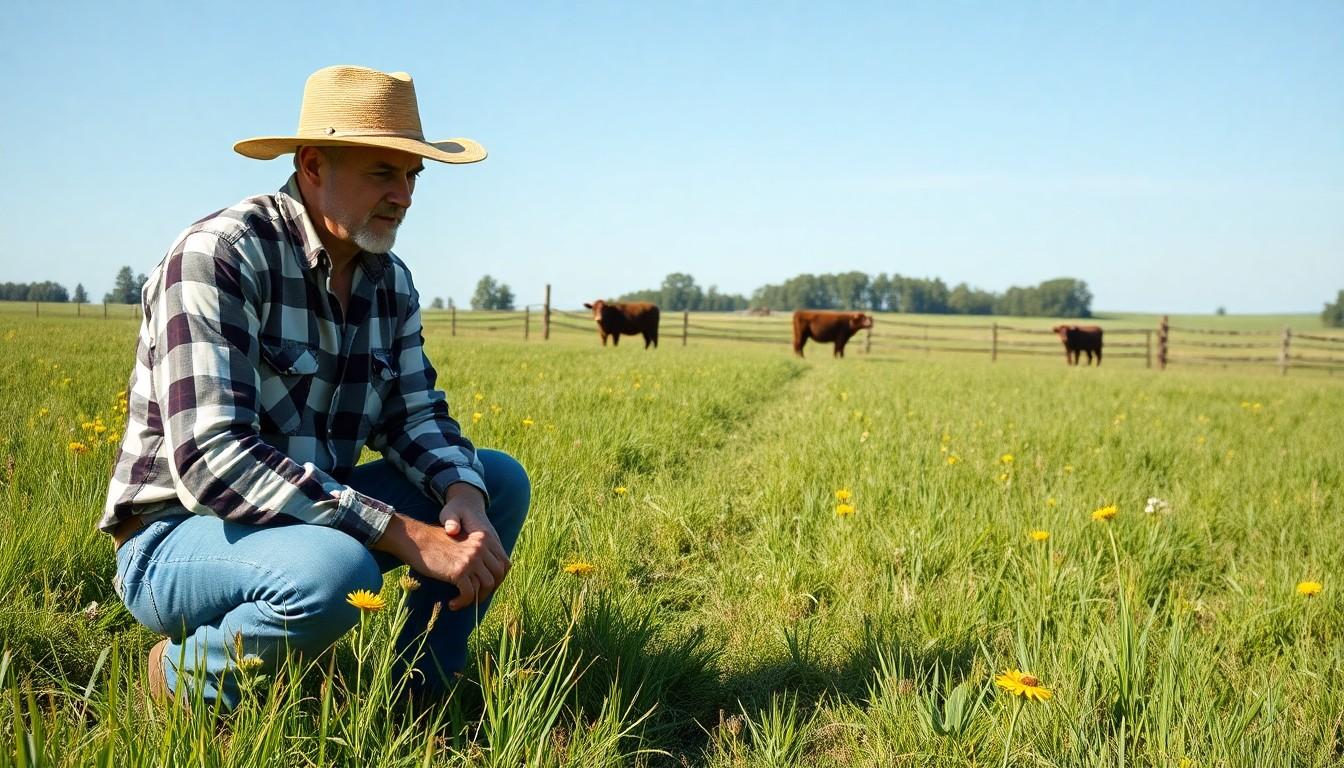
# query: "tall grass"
732,617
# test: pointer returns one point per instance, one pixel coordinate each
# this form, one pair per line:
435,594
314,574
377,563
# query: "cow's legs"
602,336
798,344
648,339
839,348
1098,357
615,339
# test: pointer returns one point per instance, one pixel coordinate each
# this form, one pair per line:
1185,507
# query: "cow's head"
597,307
858,321
1062,331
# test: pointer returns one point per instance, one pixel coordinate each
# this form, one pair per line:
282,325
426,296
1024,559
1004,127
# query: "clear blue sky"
1176,156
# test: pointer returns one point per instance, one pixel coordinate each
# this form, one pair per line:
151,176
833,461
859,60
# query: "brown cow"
1078,339
827,326
630,318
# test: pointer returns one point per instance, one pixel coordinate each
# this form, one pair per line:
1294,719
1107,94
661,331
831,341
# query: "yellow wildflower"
1022,684
408,582
1105,513
953,459
620,490
479,396
77,447
843,495
42,411
1051,502
1068,469
579,568
844,510
365,600
527,422
496,408
1006,458
1039,535
1310,588
476,417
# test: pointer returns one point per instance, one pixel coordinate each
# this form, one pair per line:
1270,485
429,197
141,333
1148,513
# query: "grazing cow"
827,326
1078,339
630,318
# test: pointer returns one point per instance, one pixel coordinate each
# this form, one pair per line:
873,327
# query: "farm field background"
735,557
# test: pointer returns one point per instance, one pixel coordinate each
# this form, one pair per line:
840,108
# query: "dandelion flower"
77,447
953,459
250,663
479,396
579,568
408,582
496,408
620,490
1068,469
1006,458
1105,513
1310,588
1022,684
1050,501
365,600
527,422
843,495
42,411
844,510
1039,535
863,438
476,417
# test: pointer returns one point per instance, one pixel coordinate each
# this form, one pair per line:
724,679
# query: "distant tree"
437,303
1064,297
1333,314
965,300
679,292
81,296
47,291
125,288
491,295
1220,311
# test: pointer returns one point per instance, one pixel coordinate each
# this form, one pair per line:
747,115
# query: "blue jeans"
202,580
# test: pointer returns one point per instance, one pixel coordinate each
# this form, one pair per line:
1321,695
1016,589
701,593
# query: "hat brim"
456,151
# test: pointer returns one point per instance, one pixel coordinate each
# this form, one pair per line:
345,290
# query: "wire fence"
891,336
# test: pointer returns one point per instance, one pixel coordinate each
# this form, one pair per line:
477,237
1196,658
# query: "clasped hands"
464,549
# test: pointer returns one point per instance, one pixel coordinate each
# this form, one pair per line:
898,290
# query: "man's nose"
400,195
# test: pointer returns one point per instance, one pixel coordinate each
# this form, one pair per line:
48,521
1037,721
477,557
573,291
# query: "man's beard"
369,242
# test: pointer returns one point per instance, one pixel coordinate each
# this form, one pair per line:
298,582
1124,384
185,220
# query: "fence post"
527,321
1283,351
994,342
546,316
868,342
1148,348
37,309
453,324
104,310
1162,329
79,312
685,325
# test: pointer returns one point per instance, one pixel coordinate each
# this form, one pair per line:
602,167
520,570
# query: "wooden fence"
891,336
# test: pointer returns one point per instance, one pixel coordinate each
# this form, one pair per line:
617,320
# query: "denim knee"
509,487
333,567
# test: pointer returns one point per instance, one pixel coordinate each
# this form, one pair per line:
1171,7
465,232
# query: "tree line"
125,290
1062,297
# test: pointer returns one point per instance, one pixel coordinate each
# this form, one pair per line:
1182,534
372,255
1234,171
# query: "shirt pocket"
384,374
286,380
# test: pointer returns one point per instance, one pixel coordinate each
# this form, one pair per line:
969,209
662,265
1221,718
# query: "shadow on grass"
680,676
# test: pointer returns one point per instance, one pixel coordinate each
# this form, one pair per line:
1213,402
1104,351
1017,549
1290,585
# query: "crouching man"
280,337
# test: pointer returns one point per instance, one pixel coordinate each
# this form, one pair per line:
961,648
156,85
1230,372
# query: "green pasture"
777,562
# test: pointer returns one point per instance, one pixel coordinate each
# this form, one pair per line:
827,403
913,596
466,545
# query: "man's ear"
310,162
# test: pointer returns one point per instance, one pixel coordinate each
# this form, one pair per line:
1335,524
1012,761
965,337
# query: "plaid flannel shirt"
252,397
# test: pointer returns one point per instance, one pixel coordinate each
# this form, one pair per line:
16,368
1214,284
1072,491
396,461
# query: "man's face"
364,194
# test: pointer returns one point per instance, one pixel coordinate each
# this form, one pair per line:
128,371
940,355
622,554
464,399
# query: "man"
281,336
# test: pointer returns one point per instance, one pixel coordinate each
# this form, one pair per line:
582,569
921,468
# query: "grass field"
780,562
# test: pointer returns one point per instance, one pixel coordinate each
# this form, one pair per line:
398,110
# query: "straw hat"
357,106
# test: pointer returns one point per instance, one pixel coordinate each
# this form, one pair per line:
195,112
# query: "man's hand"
465,551
463,518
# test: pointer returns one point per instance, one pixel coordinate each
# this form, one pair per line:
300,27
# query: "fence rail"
1157,347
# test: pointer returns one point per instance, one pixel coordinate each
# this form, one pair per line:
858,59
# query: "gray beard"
371,243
